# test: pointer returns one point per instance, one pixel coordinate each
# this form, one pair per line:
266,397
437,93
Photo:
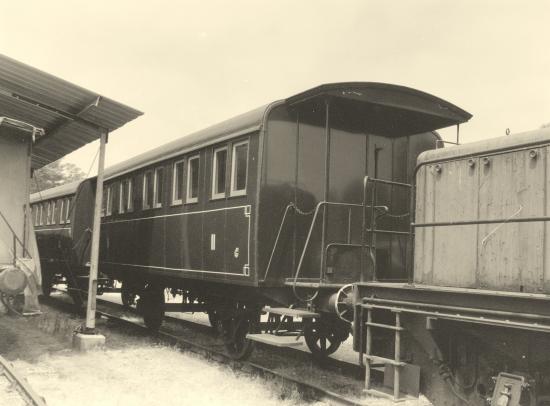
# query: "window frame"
188,198
130,202
109,201
233,178
144,194
223,195
68,211
121,205
157,203
61,214
179,201
40,217
48,213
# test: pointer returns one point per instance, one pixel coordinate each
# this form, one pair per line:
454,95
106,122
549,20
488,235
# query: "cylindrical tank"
12,280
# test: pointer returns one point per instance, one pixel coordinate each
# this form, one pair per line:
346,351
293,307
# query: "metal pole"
94,256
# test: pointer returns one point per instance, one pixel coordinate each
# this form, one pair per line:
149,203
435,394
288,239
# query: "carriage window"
148,190
177,183
68,210
48,213
193,180
218,173
159,186
53,212
40,216
109,198
125,203
239,168
61,212
35,212
122,197
130,195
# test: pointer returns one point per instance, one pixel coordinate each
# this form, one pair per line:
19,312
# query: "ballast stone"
88,342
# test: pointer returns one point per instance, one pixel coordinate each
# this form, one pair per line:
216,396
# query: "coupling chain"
301,212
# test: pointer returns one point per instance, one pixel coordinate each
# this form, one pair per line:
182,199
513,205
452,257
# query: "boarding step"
387,393
276,340
385,361
286,311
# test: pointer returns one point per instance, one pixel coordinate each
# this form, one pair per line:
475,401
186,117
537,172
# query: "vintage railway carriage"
57,238
272,208
477,306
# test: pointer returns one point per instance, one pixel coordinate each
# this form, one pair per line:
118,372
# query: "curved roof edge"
389,95
524,139
54,192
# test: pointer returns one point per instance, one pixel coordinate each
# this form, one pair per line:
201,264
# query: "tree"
55,174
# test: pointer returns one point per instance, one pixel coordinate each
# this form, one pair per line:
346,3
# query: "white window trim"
48,213
130,202
233,191
61,213
174,185
144,204
189,199
156,204
121,206
109,202
52,220
68,211
40,217
215,172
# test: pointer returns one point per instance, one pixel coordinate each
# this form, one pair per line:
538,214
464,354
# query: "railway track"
308,390
19,390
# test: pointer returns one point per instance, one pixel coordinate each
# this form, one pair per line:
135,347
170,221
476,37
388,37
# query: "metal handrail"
287,209
372,230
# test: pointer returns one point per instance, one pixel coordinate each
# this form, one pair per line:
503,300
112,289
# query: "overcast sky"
190,64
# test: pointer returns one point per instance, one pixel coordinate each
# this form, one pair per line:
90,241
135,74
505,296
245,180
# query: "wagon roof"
411,109
55,192
520,140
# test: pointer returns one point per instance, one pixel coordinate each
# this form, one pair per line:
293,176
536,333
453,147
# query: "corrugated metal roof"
58,191
70,115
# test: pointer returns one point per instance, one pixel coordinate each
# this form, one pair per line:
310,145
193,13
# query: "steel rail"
212,354
28,395
305,388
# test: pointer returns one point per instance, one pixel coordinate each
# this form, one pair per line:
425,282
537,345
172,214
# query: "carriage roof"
404,106
55,192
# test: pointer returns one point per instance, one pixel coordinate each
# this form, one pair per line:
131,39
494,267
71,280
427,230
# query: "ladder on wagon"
392,367
15,388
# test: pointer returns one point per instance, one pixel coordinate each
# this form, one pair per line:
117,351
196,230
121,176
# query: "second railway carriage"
270,208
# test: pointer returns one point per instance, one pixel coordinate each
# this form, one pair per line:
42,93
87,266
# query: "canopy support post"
88,339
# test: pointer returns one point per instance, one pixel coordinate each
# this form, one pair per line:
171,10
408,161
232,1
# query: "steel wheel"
14,303
127,295
234,337
321,338
151,306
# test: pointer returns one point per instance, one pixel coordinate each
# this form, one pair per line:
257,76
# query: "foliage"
55,174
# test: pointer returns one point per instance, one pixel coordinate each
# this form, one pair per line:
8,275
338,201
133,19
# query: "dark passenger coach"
273,207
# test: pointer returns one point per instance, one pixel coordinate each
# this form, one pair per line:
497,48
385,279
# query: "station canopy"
69,115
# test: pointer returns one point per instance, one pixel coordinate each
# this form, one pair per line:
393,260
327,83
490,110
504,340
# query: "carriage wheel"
127,295
151,306
235,327
47,283
14,303
321,338
213,318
